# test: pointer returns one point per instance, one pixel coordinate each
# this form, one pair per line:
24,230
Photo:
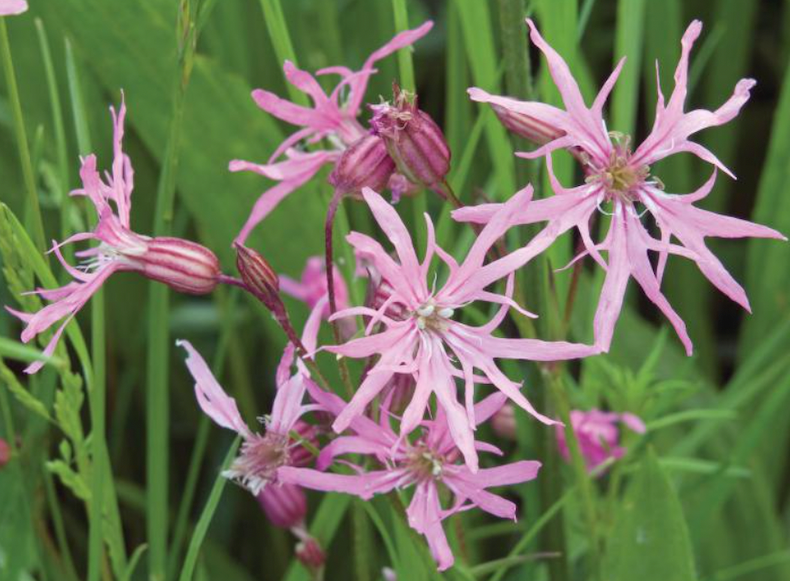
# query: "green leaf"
23,396
650,541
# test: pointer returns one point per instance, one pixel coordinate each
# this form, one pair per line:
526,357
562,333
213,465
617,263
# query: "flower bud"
414,141
527,127
310,554
365,163
5,452
258,275
284,504
183,265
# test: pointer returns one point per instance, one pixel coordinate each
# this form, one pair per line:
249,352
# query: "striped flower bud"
529,128
365,163
183,265
414,141
258,275
285,505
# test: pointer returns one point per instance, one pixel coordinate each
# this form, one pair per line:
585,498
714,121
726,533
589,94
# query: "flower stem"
329,246
157,392
32,209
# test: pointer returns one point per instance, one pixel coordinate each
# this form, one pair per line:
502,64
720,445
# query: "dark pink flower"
262,455
621,178
598,436
331,118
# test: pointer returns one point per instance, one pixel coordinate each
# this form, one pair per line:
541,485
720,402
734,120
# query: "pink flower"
312,286
598,436
262,456
12,7
429,463
181,264
620,177
426,342
329,119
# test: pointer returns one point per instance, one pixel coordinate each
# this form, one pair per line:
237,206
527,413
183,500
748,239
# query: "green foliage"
650,541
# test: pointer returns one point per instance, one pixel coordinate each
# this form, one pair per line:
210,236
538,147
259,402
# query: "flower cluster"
431,378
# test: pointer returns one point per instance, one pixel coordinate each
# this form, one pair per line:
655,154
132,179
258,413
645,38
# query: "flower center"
619,176
433,317
425,464
259,460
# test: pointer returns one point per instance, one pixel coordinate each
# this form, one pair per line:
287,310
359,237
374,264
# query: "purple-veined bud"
414,141
527,127
258,275
183,265
284,504
365,163
310,553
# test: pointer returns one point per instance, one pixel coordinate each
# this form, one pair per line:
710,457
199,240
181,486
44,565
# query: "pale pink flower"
312,287
332,117
12,7
430,463
181,264
262,456
598,436
426,342
621,177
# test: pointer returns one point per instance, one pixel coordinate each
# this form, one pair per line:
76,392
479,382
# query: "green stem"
157,392
98,438
32,210
281,39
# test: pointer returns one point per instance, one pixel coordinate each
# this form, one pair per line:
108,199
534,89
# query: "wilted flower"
428,343
598,435
414,140
620,177
430,463
329,119
12,7
181,264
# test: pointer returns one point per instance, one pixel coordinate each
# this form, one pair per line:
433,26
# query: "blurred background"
718,419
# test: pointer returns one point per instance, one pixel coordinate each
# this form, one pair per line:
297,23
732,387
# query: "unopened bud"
183,265
414,141
365,163
310,554
527,127
5,452
258,275
284,504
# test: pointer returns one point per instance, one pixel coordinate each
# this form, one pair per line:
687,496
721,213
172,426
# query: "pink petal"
212,399
363,485
400,40
394,228
12,7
